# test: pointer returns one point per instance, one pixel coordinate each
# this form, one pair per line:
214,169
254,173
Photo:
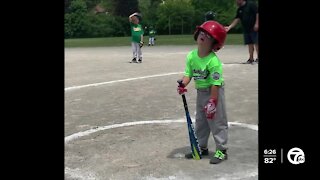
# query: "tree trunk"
169,26
181,25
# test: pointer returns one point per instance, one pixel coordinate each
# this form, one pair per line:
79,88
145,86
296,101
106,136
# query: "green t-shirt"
205,71
136,32
152,33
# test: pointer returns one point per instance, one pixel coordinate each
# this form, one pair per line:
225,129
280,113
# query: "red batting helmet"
216,30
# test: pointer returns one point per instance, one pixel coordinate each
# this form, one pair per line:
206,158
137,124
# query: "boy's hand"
181,88
210,108
141,44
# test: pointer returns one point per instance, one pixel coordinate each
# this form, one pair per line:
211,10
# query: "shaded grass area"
232,39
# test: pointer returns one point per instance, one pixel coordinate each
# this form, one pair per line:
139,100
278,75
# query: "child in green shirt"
152,34
136,37
203,65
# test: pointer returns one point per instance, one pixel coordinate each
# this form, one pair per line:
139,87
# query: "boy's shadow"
180,152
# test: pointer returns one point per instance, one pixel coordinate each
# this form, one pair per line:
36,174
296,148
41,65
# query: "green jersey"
205,71
152,33
136,32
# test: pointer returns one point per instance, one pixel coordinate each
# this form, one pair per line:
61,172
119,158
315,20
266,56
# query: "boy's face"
135,20
204,39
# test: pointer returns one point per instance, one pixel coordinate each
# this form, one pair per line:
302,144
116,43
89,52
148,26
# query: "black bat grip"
183,97
180,82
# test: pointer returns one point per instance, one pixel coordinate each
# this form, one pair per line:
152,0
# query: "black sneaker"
134,60
140,60
257,60
250,61
204,152
218,157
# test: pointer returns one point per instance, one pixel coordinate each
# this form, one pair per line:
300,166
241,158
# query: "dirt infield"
126,121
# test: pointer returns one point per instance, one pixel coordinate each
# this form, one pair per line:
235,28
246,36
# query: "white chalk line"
77,173
116,81
124,80
96,129
251,173
240,175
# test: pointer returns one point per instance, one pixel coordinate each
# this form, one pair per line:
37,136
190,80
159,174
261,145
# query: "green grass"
233,39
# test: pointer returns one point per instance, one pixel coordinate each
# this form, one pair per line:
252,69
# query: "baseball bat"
195,148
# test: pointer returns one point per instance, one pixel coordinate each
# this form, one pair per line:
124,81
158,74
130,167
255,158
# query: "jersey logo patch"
136,29
215,75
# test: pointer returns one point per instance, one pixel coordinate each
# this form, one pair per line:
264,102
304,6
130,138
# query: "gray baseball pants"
136,50
218,126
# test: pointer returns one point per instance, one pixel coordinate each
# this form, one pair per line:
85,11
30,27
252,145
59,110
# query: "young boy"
204,66
152,36
137,37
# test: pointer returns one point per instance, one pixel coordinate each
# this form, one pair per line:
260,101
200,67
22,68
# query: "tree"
98,18
174,15
126,7
75,22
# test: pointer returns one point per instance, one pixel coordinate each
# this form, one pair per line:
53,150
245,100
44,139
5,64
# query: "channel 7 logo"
296,156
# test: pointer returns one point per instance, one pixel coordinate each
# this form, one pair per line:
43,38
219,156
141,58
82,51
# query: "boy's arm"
185,80
216,82
141,37
214,92
182,84
141,41
130,17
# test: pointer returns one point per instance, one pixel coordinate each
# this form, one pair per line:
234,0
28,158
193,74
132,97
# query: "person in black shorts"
248,14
